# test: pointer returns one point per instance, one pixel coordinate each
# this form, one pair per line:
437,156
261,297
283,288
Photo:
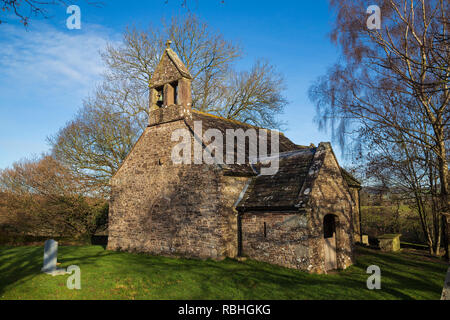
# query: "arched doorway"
329,239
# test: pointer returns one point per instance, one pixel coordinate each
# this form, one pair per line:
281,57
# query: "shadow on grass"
406,271
180,278
20,264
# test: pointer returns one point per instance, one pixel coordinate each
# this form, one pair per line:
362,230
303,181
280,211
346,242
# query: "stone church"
304,216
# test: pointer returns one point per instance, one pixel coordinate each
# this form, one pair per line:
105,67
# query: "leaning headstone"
389,242
50,258
446,289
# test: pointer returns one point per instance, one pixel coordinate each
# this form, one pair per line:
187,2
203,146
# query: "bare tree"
95,143
253,96
410,170
52,197
206,54
209,58
391,77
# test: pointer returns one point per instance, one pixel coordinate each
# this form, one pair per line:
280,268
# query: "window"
329,226
265,230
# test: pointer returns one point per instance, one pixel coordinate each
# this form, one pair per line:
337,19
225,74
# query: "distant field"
120,275
403,209
378,220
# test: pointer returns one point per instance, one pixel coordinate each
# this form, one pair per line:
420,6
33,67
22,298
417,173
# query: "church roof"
178,63
287,189
280,191
222,124
290,187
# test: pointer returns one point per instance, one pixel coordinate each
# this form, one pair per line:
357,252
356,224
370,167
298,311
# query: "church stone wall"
356,215
230,189
284,242
330,195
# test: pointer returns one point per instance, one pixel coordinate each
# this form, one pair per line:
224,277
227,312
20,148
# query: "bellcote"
170,86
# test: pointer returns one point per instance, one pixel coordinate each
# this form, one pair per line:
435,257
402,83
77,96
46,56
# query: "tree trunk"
443,177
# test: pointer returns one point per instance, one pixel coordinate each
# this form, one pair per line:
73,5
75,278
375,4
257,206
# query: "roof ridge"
229,120
178,63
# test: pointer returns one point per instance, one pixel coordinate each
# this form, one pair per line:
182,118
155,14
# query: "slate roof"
290,188
222,124
282,190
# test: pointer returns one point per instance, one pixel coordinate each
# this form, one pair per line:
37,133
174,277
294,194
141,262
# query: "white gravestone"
50,258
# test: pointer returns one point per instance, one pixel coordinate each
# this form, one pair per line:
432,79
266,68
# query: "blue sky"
47,70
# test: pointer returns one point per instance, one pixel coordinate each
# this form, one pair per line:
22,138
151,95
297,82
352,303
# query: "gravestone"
50,258
389,242
446,289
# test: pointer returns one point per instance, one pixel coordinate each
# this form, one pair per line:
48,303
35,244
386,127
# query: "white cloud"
45,73
52,58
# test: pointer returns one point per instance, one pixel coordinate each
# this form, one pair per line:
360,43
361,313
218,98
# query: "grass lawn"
120,275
